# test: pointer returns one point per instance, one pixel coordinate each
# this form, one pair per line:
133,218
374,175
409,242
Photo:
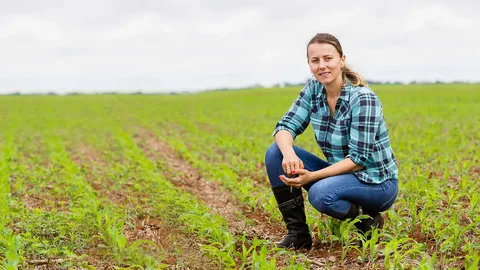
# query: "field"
178,182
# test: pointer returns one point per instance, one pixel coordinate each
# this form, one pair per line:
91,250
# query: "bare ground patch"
38,188
43,198
180,250
183,175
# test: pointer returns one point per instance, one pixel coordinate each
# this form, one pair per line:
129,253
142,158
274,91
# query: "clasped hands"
298,176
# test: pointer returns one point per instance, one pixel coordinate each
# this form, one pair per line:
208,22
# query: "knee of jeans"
320,200
273,153
390,201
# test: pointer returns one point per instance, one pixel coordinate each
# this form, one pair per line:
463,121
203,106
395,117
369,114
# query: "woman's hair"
355,78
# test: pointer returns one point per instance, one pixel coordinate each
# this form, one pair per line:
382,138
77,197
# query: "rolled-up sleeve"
297,118
366,117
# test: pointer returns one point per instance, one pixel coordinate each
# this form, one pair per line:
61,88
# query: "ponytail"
355,78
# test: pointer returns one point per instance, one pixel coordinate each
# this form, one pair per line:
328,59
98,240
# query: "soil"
167,239
210,193
322,256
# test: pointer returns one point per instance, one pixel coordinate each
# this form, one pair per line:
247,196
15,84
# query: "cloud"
30,26
177,45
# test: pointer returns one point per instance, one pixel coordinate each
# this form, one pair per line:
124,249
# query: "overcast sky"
162,45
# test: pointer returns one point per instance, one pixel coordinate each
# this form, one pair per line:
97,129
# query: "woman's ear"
343,60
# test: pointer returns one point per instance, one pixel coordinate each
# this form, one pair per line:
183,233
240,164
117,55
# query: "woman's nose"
321,64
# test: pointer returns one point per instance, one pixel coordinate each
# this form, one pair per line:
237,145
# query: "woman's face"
325,63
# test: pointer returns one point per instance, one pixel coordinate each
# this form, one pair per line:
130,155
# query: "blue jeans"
333,195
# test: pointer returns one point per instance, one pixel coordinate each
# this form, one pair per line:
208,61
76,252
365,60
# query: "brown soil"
183,175
42,197
475,171
46,201
179,250
91,164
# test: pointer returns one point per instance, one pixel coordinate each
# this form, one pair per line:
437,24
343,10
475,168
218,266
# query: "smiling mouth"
324,73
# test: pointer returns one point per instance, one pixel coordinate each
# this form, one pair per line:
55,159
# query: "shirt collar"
345,94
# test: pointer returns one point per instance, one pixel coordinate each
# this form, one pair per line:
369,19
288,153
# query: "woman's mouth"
323,74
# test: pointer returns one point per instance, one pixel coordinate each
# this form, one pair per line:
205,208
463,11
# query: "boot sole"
307,245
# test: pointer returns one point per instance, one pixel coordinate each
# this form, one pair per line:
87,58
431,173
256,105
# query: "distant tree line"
254,86
289,84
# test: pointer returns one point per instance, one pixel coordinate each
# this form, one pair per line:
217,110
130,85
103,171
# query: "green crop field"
178,181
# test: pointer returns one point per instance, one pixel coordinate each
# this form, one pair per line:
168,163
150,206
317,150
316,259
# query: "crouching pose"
359,175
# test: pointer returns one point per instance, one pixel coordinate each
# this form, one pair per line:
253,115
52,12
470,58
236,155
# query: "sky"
168,46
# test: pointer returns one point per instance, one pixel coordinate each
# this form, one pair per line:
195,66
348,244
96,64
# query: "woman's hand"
304,177
290,163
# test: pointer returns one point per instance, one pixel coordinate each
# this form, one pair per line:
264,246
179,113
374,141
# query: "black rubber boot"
353,212
290,203
366,226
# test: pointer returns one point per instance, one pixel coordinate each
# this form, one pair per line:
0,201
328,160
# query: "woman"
360,172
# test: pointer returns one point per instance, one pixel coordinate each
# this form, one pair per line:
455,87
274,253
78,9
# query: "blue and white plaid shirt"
356,131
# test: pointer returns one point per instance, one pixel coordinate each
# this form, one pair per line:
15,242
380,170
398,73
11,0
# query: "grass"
433,224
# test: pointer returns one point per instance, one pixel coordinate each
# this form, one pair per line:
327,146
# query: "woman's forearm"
341,167
284,141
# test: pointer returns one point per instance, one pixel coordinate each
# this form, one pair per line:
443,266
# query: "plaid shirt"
356,131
